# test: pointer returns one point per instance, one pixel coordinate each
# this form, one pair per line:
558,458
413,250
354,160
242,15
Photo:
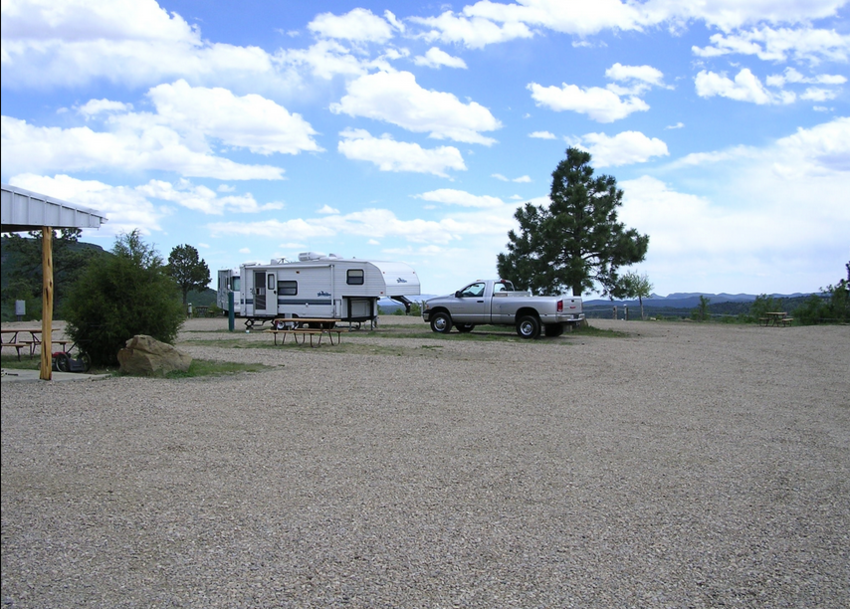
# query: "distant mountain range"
685,300
678,301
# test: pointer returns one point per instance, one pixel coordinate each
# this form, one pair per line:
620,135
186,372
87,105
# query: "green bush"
811,311
120,296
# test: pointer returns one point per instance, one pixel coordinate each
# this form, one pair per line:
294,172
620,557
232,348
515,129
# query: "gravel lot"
670,465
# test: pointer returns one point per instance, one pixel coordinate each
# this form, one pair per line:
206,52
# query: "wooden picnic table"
20,338
776,318
17,339
302,328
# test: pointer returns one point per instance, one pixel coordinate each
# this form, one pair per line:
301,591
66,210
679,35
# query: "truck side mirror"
458,294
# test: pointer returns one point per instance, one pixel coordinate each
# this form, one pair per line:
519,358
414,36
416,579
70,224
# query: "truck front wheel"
528,326
441,323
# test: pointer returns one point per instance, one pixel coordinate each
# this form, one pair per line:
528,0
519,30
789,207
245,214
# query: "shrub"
120,296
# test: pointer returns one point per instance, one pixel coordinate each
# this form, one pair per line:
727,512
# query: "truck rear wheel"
441,323
528,326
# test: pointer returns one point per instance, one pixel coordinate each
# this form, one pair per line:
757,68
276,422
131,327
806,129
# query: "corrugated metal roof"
22,210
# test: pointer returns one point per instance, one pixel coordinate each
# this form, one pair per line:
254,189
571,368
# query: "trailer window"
355,277
287,288
234,284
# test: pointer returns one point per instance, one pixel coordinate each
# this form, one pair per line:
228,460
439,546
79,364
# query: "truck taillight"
560,306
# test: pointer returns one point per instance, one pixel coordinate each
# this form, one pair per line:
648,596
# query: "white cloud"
601,105
27,148
178,137
102,106
520,180
542,135
396,98
451,196
818,94
358,25
639,78
794,190
48,43
623,149
436,58
488,22
271,228
372,223
390,155
780,45
249,121
746,87
472,32
792,76
731,14
324,59
203,199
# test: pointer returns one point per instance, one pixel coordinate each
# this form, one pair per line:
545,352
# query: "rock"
143,355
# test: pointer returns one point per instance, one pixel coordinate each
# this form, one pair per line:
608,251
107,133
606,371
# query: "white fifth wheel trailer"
319,286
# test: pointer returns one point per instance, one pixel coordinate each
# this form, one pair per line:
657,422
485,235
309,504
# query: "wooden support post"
47,303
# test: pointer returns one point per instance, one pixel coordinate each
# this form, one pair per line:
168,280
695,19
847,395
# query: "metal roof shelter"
22,210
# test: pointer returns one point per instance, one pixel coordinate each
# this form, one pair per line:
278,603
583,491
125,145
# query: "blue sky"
411,131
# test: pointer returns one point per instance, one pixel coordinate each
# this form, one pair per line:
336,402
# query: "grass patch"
11,362
205,367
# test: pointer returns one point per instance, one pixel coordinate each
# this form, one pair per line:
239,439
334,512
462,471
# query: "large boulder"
143,355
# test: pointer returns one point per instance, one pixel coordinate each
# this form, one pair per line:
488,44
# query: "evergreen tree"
188,270
576,242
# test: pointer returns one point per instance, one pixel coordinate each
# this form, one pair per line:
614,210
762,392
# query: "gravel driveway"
668,465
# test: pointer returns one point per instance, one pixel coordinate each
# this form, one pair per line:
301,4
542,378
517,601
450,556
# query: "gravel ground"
673,465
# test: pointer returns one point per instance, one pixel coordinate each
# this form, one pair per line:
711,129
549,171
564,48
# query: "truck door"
471,306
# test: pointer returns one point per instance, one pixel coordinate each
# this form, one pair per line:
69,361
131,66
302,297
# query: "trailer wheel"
441,323
465,328
553,330
528,326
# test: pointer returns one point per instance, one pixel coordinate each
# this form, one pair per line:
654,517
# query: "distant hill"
9,261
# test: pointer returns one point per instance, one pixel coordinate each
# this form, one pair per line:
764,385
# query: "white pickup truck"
494,301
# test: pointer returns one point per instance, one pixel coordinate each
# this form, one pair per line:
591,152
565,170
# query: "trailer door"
265,294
